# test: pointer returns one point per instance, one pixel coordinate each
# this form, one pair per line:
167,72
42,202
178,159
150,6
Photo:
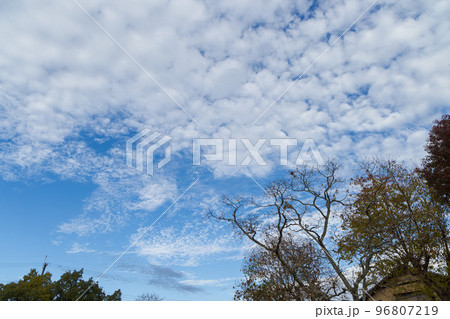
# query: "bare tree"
305,204
267,279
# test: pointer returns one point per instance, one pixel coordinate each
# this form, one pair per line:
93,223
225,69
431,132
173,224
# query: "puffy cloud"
70,97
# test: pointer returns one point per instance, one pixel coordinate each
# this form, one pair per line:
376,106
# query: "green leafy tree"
32,287
71,286
39,287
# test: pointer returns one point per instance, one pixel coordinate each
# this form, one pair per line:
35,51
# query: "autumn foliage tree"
384,222
395,225
436,165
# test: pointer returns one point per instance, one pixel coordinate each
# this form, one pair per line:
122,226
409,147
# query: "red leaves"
436,166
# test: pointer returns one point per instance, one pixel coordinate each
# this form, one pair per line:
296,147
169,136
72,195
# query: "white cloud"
154,195
189,245
68,91
80,248
120,193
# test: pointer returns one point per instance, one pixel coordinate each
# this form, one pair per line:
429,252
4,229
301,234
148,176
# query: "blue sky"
70,97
